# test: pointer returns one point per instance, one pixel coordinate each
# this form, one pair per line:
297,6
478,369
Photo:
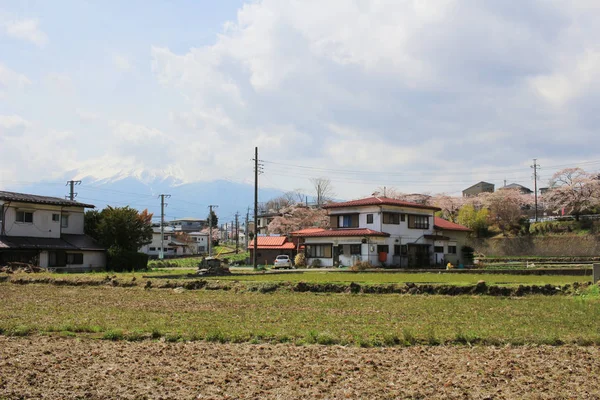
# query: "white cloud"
86,115
25,29
10,78
60,82
12,123
122,63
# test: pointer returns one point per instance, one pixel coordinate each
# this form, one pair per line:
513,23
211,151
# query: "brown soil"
66,368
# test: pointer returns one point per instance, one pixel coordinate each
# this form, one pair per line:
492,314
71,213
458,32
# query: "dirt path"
66,368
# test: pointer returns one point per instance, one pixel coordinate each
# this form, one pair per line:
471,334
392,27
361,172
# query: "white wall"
42,225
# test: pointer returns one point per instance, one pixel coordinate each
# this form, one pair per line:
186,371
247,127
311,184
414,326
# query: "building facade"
380,231
48,232
481,187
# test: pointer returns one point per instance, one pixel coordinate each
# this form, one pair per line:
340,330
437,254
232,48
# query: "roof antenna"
384,191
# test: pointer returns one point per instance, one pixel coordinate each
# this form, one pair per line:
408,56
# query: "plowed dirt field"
70,368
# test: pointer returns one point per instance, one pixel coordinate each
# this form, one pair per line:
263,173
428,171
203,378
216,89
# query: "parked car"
282,261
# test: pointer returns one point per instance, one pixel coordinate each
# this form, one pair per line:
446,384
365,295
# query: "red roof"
307,231
272,243
345,232
379,201
440,223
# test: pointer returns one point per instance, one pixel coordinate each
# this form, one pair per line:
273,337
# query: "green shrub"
120,261
316,263
114,335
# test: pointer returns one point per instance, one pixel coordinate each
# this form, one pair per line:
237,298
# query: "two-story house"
188,224
377,230
171,241
48,232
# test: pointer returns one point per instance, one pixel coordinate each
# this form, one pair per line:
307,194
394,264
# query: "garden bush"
121,260
300,260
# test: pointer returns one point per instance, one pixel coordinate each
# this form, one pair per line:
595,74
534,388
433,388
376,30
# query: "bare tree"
323,189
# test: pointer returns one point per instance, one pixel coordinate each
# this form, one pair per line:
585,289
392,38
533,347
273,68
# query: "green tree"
477,220
91,220
124,228
212,217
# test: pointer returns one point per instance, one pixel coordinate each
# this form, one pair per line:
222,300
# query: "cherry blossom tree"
573,190
299,217
506,207
450,205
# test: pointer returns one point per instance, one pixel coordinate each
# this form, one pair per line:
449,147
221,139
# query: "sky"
424,96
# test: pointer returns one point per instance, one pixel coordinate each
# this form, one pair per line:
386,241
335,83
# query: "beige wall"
42,225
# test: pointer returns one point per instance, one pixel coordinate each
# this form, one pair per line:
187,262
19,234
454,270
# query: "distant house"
521,188
375,229
269,247
188,224
48,232
200,240
481,187
172,243
264,220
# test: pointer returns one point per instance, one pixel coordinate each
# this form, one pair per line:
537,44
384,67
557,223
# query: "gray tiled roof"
65,242
35,199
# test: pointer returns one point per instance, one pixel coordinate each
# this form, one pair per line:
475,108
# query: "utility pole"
256,172
72,193
246,229
161,254
237,232
535,167
210,224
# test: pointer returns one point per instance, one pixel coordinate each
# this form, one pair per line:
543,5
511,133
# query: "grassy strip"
481,288
227,316
330,277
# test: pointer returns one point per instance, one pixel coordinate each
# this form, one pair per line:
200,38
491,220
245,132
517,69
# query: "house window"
418,221
355,249
55,217
391,218
404,249
438,249
383,248
64,221
318,250
348,221
369,218
24,216
75,258
451,249
397,249
166,237
152,248
201,248
402,217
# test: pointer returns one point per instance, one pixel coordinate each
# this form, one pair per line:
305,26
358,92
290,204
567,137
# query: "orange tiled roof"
440,223
272,243
307,231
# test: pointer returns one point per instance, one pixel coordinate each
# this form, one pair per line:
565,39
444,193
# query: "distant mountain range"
187,199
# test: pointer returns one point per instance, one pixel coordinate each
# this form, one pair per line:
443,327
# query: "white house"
47,231
188,224
200,240
378,230
172,242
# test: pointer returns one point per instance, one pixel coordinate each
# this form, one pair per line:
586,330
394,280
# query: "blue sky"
424,96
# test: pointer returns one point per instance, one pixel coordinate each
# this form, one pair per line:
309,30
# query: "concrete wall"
551,246
42,226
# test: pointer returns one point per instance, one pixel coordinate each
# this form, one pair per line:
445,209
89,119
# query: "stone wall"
550,246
